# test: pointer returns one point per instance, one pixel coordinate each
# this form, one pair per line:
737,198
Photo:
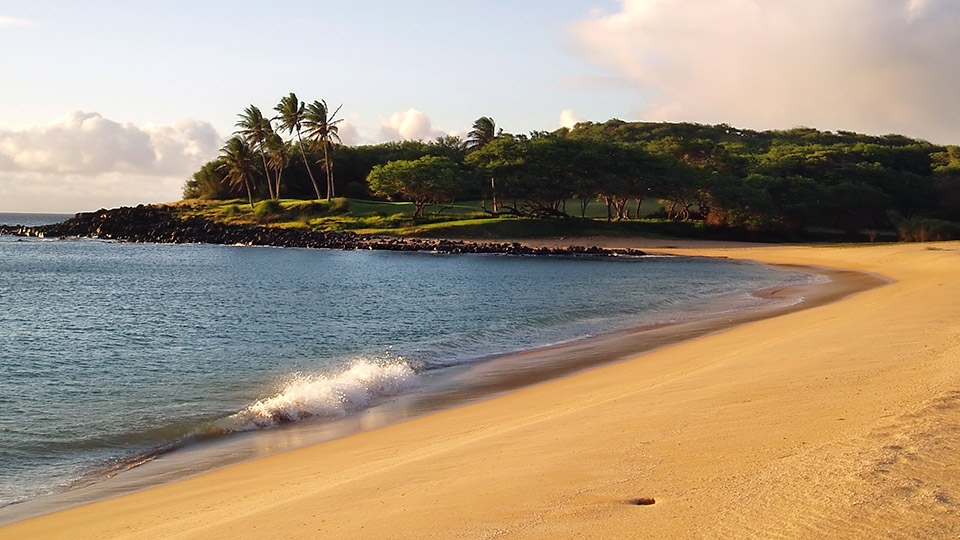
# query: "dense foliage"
772,180
428,180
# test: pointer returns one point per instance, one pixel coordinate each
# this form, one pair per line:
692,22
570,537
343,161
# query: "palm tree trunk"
307,165
278,175
333,186
326,165
249,194
266,172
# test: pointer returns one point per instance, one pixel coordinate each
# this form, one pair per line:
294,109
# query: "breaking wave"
360,386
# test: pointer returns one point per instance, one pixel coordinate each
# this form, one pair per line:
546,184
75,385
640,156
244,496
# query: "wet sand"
440,390
835,421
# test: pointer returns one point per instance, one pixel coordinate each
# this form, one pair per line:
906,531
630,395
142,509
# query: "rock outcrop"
157,224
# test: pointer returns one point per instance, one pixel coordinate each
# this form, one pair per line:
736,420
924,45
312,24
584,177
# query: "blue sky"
109,103
164,61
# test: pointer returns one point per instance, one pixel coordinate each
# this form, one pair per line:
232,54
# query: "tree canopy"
787,179
428,180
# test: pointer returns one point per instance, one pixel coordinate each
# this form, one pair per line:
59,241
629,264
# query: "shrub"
928,230
268,209
339,206
312,209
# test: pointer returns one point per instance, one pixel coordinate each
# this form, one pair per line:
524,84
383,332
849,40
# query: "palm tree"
255,129
236,158
278,157
484,131
290,115
323,128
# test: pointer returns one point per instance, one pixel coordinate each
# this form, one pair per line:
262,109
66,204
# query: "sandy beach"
838,421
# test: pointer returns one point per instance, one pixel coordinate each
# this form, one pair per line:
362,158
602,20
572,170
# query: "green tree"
483,133
584,183
501,160
947,185
549,175
854,205
237,162
451,146
290,114
428,180
256,129
626,172
747,203
322,127
207,183
278,157
686,193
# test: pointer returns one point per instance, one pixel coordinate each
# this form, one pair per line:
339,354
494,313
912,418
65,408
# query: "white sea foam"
354,389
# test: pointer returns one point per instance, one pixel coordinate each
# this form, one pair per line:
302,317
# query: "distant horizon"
39,213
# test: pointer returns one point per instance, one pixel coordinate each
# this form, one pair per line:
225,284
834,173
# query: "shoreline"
756,398
502,374
445,389
157,224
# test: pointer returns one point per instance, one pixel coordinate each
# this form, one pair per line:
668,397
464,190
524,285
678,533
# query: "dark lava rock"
160,225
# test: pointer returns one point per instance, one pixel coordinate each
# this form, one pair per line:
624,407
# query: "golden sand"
839,421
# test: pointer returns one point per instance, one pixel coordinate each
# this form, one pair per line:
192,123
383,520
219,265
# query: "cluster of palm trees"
256,134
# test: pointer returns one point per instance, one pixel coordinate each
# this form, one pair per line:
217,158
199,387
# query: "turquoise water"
114,350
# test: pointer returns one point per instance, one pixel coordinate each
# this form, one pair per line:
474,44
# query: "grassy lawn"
365,216
462,220
467,220
339,214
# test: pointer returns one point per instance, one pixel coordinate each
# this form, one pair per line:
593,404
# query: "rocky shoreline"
155,224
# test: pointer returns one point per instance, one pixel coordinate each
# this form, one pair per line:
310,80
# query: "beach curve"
835,420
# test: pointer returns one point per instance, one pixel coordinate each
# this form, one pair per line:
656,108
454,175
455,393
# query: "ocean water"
32,220
111,351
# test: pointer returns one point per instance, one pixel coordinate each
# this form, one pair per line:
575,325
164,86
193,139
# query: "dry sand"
840,421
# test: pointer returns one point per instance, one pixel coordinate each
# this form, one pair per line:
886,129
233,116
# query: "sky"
108,103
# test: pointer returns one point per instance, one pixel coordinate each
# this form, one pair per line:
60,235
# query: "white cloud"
348,133
568,119
411,124
88,144
878,67
916,8
88,161
13,21
69,193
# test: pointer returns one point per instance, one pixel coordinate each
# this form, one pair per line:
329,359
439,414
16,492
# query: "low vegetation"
928,230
